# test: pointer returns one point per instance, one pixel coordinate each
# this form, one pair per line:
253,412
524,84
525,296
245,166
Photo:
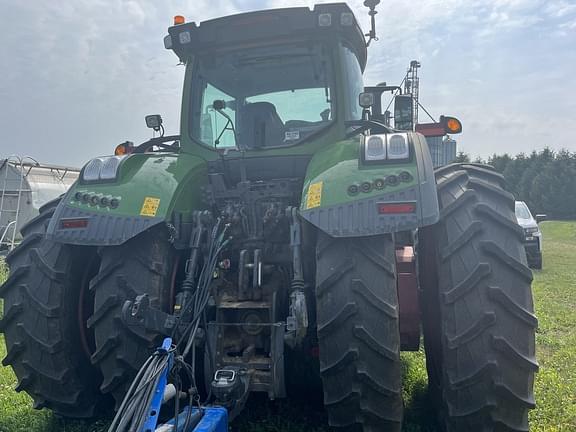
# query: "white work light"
375,148
366,100
92,170
346,19
184,37
325,20
109,169
102,168
398,147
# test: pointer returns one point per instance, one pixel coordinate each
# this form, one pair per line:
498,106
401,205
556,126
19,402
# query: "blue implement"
211,419
156,404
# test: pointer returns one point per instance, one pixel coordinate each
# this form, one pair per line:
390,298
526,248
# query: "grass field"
555,302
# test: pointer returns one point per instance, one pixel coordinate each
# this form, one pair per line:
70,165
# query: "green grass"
555,303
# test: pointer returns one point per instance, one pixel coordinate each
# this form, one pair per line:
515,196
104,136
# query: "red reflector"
315,352
431,129
73,223
395,208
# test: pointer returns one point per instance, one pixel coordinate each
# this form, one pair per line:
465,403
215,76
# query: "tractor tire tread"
358,333
485,304
139,266
37,325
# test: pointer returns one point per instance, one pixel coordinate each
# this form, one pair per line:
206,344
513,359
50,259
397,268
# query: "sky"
78,77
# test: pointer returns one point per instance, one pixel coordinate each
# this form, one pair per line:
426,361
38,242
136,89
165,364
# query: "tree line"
545,180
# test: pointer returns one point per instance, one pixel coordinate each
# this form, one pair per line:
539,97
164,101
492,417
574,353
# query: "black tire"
142,265
479,325
41,326
358,332
537,263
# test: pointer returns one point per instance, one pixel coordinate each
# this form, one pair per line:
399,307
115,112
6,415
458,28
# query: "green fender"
331,203
149,189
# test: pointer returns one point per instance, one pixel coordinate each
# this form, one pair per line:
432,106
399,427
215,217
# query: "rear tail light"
396,208
73,223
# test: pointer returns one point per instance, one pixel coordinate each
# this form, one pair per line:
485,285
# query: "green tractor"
288,224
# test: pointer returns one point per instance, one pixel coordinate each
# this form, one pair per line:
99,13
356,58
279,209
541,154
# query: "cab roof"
268,27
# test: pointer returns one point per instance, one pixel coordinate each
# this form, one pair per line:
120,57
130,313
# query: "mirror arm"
371,35
229,123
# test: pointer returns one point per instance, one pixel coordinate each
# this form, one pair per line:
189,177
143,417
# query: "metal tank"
25,186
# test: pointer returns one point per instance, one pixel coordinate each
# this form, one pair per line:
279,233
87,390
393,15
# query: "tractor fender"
344,196
149,189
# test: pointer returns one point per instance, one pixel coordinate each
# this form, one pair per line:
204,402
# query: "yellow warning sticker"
150,206
314,195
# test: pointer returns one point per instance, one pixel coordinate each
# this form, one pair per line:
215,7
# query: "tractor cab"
262,97
269,79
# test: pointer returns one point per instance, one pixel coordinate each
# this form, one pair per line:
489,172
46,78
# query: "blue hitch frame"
156,404
212,419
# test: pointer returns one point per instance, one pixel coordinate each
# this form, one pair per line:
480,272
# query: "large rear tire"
142,265
479,325
41,325
358,332
537,262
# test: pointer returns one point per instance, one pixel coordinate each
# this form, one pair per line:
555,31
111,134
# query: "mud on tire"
40,323
358,333
477,305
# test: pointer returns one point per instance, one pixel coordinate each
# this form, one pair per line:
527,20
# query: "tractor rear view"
285,217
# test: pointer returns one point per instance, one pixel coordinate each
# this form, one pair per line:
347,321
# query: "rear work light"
324,20
103,168
398,147
396,208
346,19
375,148
384,148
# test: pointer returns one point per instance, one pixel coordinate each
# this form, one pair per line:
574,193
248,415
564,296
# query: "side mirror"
403,112
541,218
219,104
154,121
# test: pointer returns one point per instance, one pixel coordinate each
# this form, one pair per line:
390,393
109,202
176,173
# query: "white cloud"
560,8
78,77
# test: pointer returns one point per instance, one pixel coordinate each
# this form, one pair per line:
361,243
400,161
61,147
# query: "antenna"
412,87
372,33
